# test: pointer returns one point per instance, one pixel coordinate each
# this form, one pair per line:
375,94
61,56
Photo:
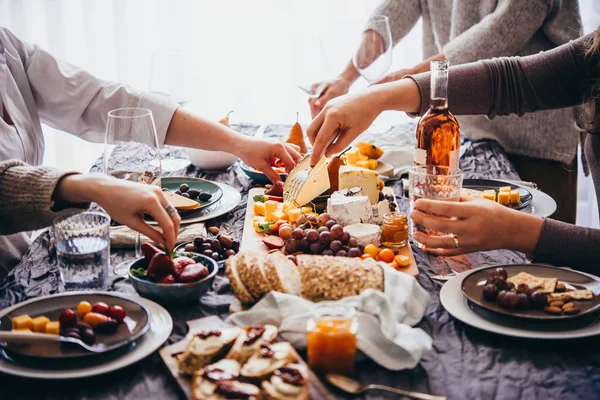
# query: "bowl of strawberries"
172,278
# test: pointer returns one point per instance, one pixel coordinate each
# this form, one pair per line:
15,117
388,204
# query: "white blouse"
36,87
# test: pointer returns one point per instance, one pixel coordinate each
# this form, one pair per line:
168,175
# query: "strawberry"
180,263
160,265
149,250
193,273
167,279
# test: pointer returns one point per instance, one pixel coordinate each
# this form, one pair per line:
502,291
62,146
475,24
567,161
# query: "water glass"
436,183
83,250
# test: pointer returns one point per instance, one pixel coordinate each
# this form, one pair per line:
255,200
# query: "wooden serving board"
317,389
253,241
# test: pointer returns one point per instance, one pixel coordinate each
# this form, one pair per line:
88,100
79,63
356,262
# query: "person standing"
541,146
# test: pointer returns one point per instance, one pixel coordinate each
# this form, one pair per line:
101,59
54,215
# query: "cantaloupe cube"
373,164
53,327
22,322
503,198
259,208
362,164
489,194
307,209
39,324
352,156
270,207
278,216
505,189
294,214
515,197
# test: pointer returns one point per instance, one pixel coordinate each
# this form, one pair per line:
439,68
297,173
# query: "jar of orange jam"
394,231
331,339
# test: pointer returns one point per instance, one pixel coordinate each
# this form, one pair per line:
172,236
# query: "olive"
83,326
523,302
185,195
208,253
193,193
216,256
67,331
205,246
235,246
190,247
490,292
501,297
203,196
184,187
198,241
178,192
108,327
226,241
229,253
511,300
501,273
72,334
539,299
88,336
216,246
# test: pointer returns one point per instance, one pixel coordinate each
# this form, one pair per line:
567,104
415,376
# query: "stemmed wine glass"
374,55
315,71
131,152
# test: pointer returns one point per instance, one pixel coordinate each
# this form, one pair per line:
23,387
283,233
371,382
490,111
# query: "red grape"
337,231
312,219
285,231
345,237
312,235
336,245
341,253
511,300
323,229
354,252
291,246
325,237
67,318
490,292
101,308
330,223
117,313
352,242
327,252
315,248
302,219
323,218
303,245
298,234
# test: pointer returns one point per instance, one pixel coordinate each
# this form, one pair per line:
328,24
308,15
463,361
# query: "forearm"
522,231
350,74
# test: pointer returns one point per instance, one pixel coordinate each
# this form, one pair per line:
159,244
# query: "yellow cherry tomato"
372,250
83,308
365,256
402,261
386,255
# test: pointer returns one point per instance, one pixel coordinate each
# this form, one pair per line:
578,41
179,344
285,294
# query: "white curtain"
242,55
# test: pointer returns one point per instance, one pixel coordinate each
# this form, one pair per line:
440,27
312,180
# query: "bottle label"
454,156
420,156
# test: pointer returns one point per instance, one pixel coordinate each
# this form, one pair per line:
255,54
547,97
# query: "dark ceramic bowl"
175,293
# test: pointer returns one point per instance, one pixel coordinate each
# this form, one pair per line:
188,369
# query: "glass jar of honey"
331,339
394,231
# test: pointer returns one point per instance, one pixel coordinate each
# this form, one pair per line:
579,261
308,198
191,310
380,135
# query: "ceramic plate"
173,182
161,325
133,327
457,304
487,184
472,287
257,176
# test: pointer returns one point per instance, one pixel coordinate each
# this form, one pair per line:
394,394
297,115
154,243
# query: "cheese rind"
366,179
349,210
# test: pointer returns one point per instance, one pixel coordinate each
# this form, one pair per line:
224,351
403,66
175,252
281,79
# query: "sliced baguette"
205,381
280,386
282,274
242,351
203,351
239,289
266,360
252,274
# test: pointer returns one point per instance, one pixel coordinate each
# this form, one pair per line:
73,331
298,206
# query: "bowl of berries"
172,278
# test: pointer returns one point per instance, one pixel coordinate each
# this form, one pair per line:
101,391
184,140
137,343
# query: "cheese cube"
39,323
270,207
352,156
503,198
489,194
287,206
307,210
279,215
294,214
259,208
373,164
505,189
362,157
22,330
365,179
22,322
53,327
515,197
362,164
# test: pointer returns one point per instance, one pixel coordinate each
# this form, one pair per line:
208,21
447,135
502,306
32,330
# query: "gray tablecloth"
465,363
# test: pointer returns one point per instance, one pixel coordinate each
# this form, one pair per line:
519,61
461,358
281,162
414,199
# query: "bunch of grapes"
511,297
319,235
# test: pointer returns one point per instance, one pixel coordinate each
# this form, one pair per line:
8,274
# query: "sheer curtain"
243,55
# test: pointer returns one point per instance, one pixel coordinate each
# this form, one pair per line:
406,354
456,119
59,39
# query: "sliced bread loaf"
252,274
282,274
239,289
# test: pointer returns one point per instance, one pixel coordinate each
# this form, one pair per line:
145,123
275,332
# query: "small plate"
133,327
472,287
487,184
257,176
173,182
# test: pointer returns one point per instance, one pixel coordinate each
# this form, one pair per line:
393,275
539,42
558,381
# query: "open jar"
394,230
331,338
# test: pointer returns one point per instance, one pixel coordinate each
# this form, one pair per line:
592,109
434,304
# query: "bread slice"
267,359
206,347
239,289
206,380
334,278
250,340
289,382
282,274
236,390
582,294
252,274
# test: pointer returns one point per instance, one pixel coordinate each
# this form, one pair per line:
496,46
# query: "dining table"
464,362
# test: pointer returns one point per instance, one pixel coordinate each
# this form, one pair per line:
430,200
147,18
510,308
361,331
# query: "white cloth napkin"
400,157
385,320
122,236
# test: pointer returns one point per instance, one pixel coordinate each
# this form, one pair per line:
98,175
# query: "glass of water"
83,249
436,183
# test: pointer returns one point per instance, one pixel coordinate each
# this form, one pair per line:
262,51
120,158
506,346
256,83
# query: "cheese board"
169,354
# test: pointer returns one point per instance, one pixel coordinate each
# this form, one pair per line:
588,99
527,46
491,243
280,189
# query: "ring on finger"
170,209
456,243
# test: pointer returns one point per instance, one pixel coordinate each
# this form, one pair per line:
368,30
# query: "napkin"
400,157
385,320
122,236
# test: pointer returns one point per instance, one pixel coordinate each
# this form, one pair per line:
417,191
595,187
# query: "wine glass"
168,77
314,73
374,55
131,152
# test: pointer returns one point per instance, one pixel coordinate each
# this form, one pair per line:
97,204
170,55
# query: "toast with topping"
207,379
289,382
205,347
267,359
250,340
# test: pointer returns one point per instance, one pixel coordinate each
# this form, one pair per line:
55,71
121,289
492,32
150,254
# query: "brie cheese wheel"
363,178
349,210
379,210
365,233
349,192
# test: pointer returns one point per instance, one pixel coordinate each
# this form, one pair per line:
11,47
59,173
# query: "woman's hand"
259,153
478,225
126,202
334,88
395,76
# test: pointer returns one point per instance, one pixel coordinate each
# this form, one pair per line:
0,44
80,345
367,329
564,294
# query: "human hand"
478,224
334,88
258,154
395,76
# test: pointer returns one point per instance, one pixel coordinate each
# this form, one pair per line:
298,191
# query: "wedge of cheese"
366,179
303,183
180,202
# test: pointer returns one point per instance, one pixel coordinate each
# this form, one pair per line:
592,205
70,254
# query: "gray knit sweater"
470,30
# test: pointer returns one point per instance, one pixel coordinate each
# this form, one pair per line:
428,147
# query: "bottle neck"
439,85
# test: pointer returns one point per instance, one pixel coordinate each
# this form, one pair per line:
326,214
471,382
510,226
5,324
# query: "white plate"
231,199
542,205
161,325
457,305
